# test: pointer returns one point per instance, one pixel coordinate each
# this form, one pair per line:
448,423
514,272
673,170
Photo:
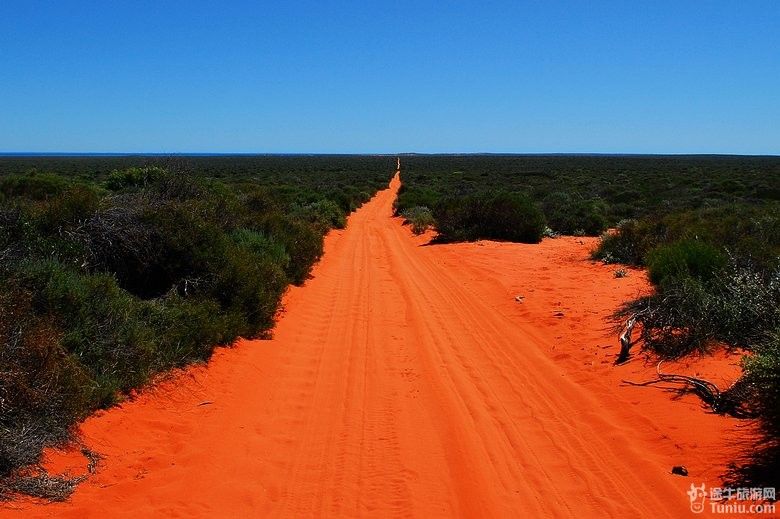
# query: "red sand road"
406,380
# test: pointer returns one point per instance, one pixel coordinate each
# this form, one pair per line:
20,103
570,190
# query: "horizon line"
403,153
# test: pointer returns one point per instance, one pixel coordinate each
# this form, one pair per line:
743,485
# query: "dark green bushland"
300,240
746,230
497,215
585,194
324,214
105,283
135,177
41,385
34,186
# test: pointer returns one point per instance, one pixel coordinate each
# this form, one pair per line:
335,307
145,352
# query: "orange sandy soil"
405,379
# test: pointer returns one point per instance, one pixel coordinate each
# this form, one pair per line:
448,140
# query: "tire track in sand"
388,389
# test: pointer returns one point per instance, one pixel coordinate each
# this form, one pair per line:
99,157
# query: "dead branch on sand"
40,484
721,402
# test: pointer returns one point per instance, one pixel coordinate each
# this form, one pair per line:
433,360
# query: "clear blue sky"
368,76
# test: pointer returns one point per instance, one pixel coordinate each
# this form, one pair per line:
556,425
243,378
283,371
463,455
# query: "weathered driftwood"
705,389
728,401
625,339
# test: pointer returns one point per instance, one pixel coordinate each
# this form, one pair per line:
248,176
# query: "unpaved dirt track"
388,390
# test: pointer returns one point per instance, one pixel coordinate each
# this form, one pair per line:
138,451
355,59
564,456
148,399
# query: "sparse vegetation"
734,305
716,271
707,228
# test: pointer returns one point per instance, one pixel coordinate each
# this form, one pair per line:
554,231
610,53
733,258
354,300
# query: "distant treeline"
575,194
115,269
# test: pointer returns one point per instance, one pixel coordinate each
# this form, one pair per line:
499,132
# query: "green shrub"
42,387
762,368
568,213
324,214
67,209
301,241
134,177
249,284
259,200
746,303
759,391
188,329
747,231
738,306
32,186
499,216
686,258
263,244
348,197
153,247
409,198
627,244
420,218
100,325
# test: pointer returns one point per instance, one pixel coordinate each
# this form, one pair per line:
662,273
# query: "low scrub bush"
498,216
302,242
748,231
759,390
262,244
324,214
568,213
420,218
135,177
737,307
627,244
32,186
100,325
410,198
66,210
41,385
684,259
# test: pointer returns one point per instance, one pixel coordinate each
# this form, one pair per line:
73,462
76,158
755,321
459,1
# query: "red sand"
406,380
